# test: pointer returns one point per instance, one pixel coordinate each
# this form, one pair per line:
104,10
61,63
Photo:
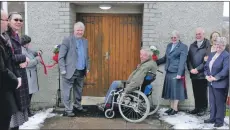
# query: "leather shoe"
82,110
68,114
218,125
79,110
201,112
209,121
173,112
169,110
194,111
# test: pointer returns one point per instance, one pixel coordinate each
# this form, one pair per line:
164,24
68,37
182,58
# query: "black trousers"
200,93
5,122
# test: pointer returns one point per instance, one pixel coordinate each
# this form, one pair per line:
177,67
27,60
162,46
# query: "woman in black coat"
22,94
8,84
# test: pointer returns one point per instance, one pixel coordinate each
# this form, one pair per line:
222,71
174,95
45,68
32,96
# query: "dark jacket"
175,61
22,93
196,58
8,80
220,70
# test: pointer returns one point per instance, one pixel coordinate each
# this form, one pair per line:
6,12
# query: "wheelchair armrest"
124,82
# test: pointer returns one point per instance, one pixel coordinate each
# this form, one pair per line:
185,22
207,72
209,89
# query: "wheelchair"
133,106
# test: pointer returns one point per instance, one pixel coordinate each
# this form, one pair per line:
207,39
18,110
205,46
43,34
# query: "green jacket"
136,78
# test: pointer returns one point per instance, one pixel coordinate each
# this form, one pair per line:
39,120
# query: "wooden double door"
114,49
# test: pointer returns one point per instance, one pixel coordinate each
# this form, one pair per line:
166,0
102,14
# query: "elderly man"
136,78
195,62
8,77
74,64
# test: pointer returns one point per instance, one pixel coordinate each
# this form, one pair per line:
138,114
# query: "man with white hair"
135,79
73,61
195,62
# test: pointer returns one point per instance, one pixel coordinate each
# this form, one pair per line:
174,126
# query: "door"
114,45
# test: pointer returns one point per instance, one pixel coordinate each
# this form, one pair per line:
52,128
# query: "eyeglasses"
16,20
4,19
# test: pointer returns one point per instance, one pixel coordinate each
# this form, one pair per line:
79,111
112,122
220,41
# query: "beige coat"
136,78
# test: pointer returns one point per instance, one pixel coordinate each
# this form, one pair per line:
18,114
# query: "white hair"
175,32
79,25
200,29
221,40
148,51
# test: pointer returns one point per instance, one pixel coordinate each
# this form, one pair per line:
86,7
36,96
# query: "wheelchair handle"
159,71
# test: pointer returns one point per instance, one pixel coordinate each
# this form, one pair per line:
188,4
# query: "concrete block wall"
64,25
49,22
161,18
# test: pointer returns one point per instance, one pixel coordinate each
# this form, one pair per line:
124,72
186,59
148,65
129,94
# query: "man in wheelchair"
135,79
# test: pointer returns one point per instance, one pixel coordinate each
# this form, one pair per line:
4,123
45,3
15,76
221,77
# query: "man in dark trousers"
195,62
74,64
9,80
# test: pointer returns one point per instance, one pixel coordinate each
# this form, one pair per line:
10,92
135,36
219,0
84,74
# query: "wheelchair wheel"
134,106
109,113
155,108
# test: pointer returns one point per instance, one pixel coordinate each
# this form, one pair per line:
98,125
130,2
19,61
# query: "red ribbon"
184,81
46,66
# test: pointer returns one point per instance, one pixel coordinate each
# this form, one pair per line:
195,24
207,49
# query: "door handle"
106,55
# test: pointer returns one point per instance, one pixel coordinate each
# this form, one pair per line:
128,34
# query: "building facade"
115,37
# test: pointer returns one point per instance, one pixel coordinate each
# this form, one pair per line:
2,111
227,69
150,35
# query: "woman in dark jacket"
22,94
217,74
174,83
9,82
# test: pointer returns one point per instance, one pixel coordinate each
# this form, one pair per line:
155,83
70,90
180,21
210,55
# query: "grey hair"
79,24
148,51
175,32
200,29
221,40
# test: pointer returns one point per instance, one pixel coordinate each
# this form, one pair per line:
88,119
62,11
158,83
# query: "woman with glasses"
174,83
217,72
22,94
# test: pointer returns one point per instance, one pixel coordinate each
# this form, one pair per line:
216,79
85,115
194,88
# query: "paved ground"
98,123
94,119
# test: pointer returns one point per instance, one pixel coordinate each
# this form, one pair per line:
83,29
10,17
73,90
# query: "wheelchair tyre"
109,113
156,108
134,106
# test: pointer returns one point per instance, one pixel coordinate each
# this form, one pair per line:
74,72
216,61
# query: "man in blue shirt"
74,64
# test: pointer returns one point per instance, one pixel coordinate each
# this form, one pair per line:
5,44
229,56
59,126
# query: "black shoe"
29,113
201,112
173,112
82,110
79,110
69,114
169,110
209,121
195,111
218,125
